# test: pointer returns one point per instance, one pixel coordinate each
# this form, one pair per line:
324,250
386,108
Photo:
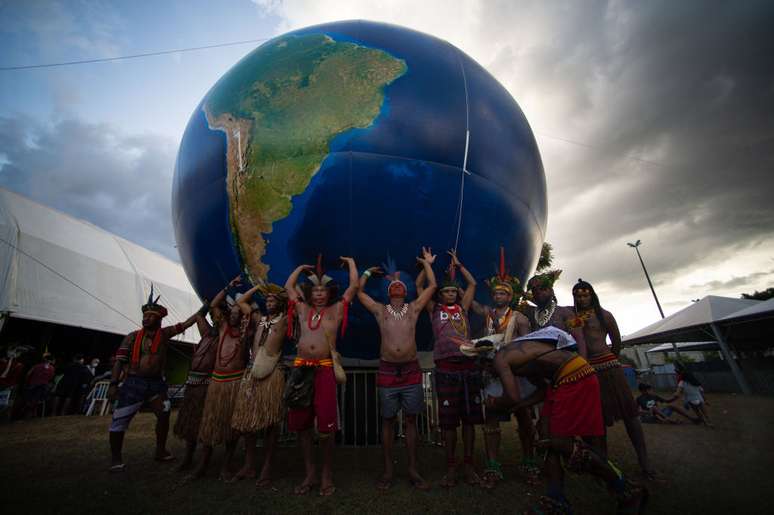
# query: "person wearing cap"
259,405
144,353
400,377
319,316
503,322
597,324
457,378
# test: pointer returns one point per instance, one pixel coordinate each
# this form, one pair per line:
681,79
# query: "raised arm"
244,300
470,289
351,290
426,295
478,308
218,299
420,284
176,329
290,284
365,299
613,332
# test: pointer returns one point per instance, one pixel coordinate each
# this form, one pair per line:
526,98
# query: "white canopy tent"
58,269
696,323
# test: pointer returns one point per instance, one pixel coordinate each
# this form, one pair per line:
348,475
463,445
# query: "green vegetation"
299,92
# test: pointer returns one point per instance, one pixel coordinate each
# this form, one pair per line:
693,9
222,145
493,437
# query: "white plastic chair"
98,394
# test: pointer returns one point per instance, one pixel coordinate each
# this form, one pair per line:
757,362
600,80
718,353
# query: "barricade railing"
360,421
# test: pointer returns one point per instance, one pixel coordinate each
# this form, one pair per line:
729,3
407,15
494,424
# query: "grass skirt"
218,410
189,416
259,403
616,396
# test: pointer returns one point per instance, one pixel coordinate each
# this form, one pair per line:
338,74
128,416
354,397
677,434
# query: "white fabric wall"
59,269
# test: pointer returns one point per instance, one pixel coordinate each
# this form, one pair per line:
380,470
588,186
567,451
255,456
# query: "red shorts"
574,409
324,406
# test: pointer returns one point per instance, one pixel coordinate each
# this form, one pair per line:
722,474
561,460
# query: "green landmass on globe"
280,108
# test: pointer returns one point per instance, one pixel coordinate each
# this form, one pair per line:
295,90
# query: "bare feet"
328,490
471,477
306,486
164,455
450,479
418,481
263,482
384,483
244,473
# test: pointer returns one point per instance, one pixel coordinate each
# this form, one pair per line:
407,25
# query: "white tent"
760,310
695,323
56,268
690,324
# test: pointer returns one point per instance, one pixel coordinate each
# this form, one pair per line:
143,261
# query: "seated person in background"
692,393
650,412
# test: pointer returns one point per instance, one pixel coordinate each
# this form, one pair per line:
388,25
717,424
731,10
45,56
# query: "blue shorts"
135,392
410,398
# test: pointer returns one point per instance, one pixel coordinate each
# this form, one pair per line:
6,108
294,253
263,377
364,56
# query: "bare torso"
398,334
270,332
231,355
316,332
203,359
150,364
535,359
595,336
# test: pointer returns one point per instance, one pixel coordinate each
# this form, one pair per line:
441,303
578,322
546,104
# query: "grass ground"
58,465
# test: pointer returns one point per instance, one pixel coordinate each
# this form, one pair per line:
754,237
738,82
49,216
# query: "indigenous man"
457,379
572,409
548,313
504,321
400,377
617,400
230,362
259,402
319,319
145,354
189,418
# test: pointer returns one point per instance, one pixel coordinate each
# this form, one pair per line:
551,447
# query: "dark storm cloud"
688,85
735,282
92,171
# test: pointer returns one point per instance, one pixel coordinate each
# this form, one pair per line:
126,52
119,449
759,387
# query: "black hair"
583,285
687,376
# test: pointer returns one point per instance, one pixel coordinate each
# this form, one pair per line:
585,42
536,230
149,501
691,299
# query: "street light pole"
635,246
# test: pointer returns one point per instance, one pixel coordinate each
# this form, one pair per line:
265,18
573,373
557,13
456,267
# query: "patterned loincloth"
614,391
259,402
219,408
189,417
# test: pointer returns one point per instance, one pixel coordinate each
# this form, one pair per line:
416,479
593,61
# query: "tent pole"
731,361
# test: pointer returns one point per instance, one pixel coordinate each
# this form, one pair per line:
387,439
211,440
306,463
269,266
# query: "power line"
125,57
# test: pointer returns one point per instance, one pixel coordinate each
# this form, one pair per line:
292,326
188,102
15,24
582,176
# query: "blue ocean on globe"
352,139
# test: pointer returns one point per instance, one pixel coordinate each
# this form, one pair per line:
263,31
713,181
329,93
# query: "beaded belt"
574,370
301,362
197,378
605,361
227,377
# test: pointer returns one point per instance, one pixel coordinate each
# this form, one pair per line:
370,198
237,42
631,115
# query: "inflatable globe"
359,139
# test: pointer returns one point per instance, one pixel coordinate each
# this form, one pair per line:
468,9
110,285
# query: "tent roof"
685,346
690,323
763,309
59,269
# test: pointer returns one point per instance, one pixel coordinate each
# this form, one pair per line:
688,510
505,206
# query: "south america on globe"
361,139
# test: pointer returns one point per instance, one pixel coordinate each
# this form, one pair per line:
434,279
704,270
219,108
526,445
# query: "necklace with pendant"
314,316
544,315
397,315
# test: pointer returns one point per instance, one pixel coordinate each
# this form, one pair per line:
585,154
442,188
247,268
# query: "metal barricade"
360,421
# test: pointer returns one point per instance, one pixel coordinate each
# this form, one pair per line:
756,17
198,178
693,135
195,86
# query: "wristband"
367,274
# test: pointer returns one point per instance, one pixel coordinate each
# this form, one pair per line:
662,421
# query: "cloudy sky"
655,121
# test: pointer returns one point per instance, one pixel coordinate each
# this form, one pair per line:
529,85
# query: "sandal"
384,484
327,491
420,484
304,488
117,468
